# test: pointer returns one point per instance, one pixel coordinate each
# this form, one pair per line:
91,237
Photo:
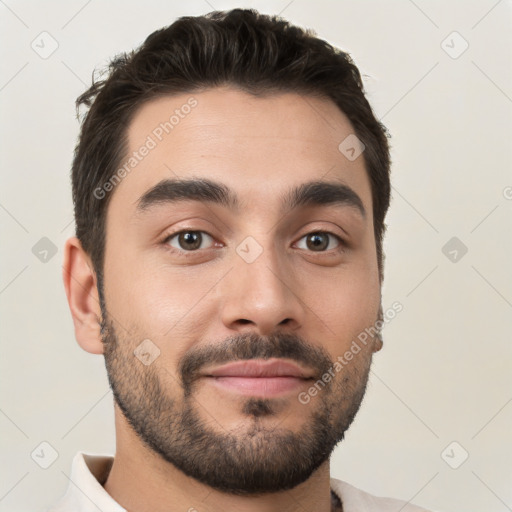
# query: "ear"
80,283
377,339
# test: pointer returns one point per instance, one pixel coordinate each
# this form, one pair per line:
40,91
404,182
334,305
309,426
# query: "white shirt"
85,492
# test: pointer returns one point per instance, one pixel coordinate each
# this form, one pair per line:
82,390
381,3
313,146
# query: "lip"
259,368
259,377
258,386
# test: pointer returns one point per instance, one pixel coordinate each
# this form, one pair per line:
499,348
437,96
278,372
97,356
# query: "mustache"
254,346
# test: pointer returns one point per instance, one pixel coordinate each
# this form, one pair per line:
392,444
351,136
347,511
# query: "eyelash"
165,242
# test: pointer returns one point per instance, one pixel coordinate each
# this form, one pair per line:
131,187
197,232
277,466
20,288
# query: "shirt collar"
85,492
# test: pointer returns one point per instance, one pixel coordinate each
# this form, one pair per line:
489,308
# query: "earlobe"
80,283
377,339
377,342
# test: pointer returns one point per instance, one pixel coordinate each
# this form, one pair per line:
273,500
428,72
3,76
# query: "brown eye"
319,241
188,240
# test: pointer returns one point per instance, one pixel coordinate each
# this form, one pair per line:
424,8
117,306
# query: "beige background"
445,373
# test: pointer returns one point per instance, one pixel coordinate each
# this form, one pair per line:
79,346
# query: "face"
242,234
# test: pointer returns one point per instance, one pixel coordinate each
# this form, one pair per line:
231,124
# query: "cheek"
347,307
158,302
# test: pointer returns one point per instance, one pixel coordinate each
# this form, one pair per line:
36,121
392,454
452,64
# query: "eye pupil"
190,237
314,241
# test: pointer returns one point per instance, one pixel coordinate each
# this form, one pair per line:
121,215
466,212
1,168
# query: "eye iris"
314,241
190,237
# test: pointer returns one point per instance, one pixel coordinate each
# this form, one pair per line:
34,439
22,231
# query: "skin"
212,299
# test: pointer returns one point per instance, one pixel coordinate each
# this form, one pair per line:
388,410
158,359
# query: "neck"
141,481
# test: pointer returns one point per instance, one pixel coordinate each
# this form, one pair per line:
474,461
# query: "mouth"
263,378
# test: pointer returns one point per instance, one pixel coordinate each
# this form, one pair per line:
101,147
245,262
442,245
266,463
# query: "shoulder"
85,492
356,500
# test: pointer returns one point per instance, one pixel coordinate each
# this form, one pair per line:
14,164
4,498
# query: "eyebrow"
312,193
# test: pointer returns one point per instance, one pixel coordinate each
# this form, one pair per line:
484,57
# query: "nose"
261,296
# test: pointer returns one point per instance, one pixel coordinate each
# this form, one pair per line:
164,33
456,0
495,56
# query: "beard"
254,458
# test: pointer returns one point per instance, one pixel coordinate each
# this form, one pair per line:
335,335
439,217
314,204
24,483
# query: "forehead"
259,146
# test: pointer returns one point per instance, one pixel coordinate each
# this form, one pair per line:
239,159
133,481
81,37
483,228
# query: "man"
230,187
